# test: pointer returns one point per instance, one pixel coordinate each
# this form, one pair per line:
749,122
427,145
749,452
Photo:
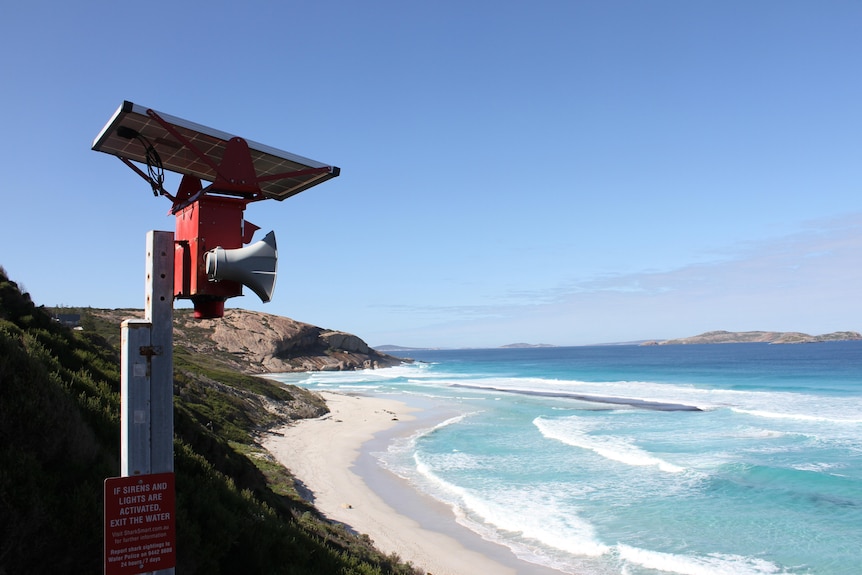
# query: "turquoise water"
713,459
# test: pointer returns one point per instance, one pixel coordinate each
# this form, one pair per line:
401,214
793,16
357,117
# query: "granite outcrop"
259,343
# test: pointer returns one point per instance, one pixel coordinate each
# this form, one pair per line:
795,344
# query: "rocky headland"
759,337
259,343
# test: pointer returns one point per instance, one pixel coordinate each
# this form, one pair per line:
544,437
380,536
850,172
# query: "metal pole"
135,416
159,311
146,371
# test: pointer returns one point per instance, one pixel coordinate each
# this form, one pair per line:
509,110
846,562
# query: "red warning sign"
140,531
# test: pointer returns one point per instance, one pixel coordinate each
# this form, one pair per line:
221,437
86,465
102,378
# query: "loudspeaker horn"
253,266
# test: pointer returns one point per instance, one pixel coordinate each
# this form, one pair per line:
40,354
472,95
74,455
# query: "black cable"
155,169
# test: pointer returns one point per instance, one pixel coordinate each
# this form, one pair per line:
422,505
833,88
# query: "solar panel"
176,156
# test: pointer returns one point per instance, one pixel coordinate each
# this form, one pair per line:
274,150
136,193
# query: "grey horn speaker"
254,266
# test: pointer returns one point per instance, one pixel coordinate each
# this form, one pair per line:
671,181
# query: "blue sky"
548,172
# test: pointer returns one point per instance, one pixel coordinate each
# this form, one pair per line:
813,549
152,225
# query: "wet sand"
329,455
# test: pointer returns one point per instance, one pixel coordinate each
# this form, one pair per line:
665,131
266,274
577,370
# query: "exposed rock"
345,341
255,342
269,344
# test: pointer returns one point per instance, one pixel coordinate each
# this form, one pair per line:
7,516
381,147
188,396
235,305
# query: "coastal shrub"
49,464
59,431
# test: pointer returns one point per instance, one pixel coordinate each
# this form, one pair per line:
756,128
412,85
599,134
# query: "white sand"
321,452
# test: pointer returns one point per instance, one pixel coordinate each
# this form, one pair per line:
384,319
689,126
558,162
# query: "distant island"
759,337
710,337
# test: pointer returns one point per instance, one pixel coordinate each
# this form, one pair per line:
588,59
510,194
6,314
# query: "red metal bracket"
183,140
235,175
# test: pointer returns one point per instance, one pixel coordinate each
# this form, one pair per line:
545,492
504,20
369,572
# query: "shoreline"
330,457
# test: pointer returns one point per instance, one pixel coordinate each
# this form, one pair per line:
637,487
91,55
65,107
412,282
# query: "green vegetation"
237,510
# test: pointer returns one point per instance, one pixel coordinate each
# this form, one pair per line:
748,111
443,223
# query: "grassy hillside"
237,510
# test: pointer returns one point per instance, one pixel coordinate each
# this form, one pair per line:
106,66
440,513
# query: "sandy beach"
322,454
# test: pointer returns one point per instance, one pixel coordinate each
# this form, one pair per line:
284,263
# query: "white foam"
712,564
796,416
517,514
757,433
574,431
817,467
405,446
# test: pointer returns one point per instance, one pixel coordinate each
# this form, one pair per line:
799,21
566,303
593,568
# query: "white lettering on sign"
139,524
142,488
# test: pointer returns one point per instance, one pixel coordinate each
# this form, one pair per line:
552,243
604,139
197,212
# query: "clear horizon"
516,345
561,172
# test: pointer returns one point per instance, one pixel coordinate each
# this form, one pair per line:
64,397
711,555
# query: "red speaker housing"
210,221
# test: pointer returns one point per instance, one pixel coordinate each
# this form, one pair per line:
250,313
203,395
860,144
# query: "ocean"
731,459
